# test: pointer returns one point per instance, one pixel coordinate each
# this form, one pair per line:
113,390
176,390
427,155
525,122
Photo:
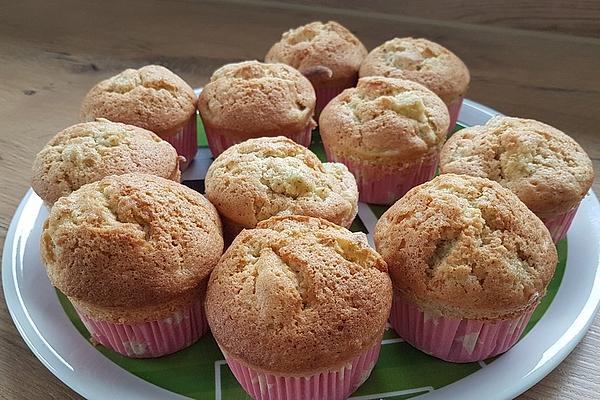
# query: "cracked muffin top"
323,52
151,97
385,120
259,178
544,167
251,98
87,152
466,247
419,60
131,241
298,294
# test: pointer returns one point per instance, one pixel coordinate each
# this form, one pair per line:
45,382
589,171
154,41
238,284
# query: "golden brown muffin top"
89,151
259,178
257,99
131,241
422,61
385,120
138,315
323,52
466,247
298,295
151,97
544,167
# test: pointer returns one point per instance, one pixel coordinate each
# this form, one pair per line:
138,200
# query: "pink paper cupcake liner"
381,185
453,339
220,140
185,141
150,339
326,94
332,385
558,225
454,111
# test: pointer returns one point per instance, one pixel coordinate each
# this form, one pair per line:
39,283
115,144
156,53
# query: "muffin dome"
298,294
88,152
422,61
131,241
260,178
385,120
253,98
544,167
151,97
323,52
466,247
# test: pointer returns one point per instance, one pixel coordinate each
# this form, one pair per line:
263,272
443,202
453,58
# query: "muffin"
425,62
544,167
259,178
298,307
133,254
469,263
388,132
87,152
252,99
152,98
328,54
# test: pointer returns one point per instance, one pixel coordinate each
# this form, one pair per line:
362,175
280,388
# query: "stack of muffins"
296,302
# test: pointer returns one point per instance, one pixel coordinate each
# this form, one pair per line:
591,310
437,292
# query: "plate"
52,330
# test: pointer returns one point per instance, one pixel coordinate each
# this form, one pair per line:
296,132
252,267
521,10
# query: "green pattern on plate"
200,131
401,372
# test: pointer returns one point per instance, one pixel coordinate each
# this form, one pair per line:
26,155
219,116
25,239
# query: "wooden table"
51,54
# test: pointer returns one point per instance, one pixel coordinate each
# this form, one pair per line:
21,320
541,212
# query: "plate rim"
471,114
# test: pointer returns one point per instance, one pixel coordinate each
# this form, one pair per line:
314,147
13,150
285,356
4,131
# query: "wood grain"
51,54
576,17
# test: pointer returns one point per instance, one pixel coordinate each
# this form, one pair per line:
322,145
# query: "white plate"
37,314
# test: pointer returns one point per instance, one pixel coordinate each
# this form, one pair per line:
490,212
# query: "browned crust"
131,241
326,53
422,61
385,121
151,97
259,178
466,247
544,167
257,99
138,315
87,152
298,295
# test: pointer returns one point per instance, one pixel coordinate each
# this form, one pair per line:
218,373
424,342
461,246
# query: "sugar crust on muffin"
263,177
466,247
87,152
298,295
543,166
385,120
422,61
129,243
252,98
324,52
151,97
